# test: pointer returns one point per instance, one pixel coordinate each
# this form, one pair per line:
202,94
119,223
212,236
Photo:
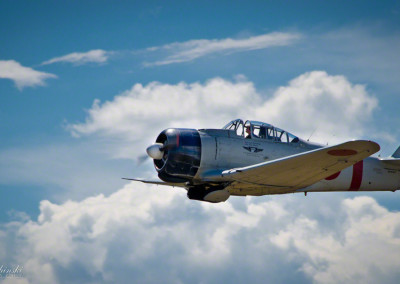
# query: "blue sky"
86,85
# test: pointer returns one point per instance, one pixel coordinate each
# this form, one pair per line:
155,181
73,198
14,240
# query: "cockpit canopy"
260,130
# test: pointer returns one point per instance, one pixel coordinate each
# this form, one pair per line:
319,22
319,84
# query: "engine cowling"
179,154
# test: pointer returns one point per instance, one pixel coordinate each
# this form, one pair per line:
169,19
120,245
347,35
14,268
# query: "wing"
156,182
298,171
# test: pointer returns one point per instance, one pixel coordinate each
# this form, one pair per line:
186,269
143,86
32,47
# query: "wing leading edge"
298,171
156,182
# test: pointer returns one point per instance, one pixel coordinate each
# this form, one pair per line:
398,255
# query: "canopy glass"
260,130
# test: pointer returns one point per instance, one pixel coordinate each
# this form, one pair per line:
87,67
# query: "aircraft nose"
155,151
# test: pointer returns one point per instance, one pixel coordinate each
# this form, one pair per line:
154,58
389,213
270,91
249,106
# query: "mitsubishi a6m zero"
256,158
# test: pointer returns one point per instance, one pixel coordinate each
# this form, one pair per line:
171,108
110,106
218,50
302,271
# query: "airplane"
256,158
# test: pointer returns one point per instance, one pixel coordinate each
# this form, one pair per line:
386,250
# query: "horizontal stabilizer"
156,182
392,162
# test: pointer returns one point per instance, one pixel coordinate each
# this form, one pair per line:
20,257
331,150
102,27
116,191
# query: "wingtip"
376,146
353,147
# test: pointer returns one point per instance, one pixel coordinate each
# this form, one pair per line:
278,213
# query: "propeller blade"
141,159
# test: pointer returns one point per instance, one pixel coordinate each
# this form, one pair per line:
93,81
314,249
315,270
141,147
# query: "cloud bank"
21,75
80,58
192,49
148,234
331,106
145,233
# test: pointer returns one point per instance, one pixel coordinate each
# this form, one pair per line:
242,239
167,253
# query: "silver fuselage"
222,149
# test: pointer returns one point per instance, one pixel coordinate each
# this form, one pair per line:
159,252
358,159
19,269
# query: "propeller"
159,151
141,159
156,151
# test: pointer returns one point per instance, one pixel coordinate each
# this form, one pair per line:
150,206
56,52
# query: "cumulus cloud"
21,75
136,116
366,250
329,105
80,58
192,49
148,234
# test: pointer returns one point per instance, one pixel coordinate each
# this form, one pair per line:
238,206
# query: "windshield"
232,124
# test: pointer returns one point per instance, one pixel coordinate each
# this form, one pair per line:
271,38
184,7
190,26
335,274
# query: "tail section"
396,154
393,160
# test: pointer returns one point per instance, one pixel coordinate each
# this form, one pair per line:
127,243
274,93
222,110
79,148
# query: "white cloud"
152,234
330,106
21,75
139,114
337,109
80,58
192,49
367,250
